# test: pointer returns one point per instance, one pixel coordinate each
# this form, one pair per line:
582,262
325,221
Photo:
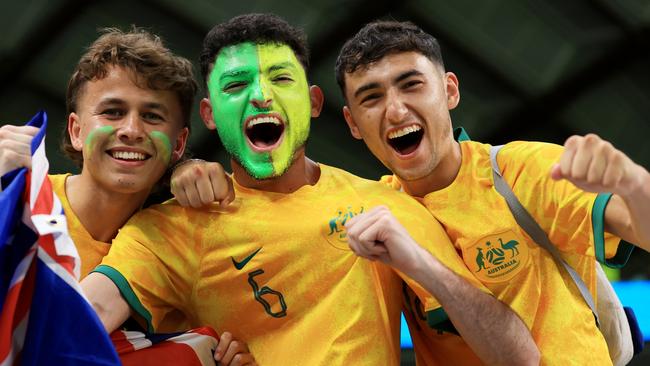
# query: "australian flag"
44,317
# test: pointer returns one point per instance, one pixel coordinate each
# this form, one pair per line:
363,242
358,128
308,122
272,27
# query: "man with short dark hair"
398,96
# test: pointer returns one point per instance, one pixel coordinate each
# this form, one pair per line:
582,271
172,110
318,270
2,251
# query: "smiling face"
260,103
128,135
400,106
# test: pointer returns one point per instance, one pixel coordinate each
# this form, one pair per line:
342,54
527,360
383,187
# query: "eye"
152,116
234,87
112,113
369,98
283,79
411,84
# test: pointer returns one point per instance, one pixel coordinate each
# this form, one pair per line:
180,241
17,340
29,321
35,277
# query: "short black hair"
256,28
380,38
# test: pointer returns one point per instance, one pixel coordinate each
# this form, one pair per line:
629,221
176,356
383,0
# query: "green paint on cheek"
95,136
163,146
238,65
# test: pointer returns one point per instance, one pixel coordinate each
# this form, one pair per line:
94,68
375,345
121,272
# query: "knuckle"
572,141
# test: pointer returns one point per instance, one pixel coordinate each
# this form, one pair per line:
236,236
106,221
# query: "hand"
198,183
231,352
595,165
377,235
15,147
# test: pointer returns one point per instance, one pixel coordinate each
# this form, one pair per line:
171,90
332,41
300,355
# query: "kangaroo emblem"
479,260
511,246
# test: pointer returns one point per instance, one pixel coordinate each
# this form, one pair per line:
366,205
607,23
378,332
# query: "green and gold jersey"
91,251
514,268
276,271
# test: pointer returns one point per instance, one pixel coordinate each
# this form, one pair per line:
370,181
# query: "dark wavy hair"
380,38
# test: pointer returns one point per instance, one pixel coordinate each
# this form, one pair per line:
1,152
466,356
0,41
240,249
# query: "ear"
179,146
354,130
453,92
317,99
205,109
74,131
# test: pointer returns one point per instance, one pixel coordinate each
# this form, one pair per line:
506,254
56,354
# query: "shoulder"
532,157
367,188
168,216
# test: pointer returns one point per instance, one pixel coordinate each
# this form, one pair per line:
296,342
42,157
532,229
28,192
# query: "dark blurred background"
532,70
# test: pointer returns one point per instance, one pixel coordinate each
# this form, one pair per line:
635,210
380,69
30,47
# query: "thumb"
556,172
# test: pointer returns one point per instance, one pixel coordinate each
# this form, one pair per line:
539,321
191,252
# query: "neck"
101,211
302,171
440,177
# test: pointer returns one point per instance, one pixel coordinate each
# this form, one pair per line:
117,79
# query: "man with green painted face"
275,266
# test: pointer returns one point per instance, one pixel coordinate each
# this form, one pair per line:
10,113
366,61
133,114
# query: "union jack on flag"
44,317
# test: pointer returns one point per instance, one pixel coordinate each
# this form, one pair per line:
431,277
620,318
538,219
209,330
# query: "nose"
396,111
260,94
261,103
132,129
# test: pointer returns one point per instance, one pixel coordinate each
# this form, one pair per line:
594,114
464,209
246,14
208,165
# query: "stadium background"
535,70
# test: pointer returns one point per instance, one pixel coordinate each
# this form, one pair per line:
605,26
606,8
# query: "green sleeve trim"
127,292
598,222
437,319
461,135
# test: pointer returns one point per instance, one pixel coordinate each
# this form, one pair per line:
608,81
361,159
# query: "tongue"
408,149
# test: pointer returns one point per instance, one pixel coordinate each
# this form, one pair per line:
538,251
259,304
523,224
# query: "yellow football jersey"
513,267
91,251
276,271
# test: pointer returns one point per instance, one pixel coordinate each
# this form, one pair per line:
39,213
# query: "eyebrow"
233,73
121,102
282,65
399,78
406,75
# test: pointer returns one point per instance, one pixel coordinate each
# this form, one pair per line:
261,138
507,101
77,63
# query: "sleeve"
572,218
152,266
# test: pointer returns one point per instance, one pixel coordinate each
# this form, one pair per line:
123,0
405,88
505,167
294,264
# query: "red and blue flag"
44,317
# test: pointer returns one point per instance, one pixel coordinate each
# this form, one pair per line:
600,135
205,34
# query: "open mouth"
264,132
406,139
128,155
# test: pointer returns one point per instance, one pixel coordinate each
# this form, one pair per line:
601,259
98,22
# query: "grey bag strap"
523,218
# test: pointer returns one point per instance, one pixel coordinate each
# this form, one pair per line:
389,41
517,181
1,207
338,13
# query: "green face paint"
96,136
250,80
163,146
100,135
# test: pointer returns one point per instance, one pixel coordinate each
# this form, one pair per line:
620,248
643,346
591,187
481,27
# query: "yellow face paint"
249,82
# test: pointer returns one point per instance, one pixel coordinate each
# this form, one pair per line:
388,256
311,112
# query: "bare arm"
495,333
106,299
594,165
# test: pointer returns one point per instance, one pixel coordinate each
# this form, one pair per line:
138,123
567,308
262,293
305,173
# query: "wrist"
180,163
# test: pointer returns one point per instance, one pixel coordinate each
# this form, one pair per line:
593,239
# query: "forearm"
106,300
495,333
638,205
628,212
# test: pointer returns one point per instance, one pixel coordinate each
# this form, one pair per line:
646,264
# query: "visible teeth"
128,155
404,131
265,119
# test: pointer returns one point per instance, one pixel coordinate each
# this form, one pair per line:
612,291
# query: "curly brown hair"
143,53
255,28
